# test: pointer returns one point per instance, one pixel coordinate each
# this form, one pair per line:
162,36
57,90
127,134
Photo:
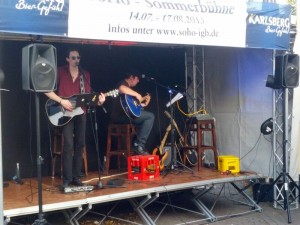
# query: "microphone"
147,77
180,87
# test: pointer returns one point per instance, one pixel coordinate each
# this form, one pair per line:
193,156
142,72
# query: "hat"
133,72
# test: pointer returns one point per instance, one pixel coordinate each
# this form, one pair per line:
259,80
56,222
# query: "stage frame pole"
1,158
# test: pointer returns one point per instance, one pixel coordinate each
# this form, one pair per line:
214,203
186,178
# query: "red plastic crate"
143,167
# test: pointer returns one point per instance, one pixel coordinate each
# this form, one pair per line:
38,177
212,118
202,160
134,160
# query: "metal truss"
195,80
195,89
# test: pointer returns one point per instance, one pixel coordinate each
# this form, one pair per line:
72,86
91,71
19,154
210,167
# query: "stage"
21,200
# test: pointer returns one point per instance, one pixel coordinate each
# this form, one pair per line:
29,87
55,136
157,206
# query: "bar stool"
57,150
201,128
119,138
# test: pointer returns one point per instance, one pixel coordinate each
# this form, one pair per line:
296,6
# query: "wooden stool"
57,150
120,135
201,127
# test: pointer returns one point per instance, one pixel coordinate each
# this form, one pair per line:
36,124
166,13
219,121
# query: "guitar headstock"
167,114
113,93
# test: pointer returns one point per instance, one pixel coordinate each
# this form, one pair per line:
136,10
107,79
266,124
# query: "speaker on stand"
286,76
286,72
39,72
39,68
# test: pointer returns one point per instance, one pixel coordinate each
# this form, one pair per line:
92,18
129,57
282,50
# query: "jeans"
144,123
74,141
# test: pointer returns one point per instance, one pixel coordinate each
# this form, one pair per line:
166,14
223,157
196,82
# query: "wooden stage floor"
20,200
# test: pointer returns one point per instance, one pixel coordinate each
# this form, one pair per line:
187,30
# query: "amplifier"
167,148
203,117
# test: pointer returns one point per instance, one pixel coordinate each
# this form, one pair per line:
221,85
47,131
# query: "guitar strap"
82,89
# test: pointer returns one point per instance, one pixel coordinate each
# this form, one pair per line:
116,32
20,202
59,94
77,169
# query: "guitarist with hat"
131,110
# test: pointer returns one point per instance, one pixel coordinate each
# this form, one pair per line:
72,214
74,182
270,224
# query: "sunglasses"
75,57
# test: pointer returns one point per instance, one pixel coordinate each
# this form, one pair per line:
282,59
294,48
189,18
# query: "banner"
268,25
46,17
160,21
233,23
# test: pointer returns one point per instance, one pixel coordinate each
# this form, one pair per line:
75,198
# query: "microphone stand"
99,184
173,152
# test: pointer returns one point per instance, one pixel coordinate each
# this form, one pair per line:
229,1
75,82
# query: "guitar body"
131,106
58,116
162,158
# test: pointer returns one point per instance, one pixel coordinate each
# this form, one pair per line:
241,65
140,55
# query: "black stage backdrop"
107,65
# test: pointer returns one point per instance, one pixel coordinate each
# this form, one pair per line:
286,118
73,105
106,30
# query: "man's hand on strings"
101,99
146,99
66,104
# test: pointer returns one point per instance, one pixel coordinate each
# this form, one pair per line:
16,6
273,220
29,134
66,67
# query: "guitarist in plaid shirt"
145,119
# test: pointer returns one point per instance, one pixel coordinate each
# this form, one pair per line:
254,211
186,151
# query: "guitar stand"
174,162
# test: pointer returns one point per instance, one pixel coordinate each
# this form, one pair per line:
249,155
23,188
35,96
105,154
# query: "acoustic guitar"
163,156
59,116
131,105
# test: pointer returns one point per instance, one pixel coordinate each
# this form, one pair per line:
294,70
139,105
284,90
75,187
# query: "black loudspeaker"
39,68
286,71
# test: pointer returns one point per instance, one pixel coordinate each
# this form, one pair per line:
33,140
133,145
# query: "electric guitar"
131,106
59,116
191,155
159,150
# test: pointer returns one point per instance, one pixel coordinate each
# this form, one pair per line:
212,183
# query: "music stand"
87,99
174,162
177,97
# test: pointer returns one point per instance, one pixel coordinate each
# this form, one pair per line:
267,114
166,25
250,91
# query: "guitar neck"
163,141
112,93
176,127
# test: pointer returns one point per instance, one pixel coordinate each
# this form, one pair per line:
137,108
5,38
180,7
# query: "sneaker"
77,182
82,174
65,184
138,150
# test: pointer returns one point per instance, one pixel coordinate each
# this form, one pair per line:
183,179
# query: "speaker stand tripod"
284,176
40,220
